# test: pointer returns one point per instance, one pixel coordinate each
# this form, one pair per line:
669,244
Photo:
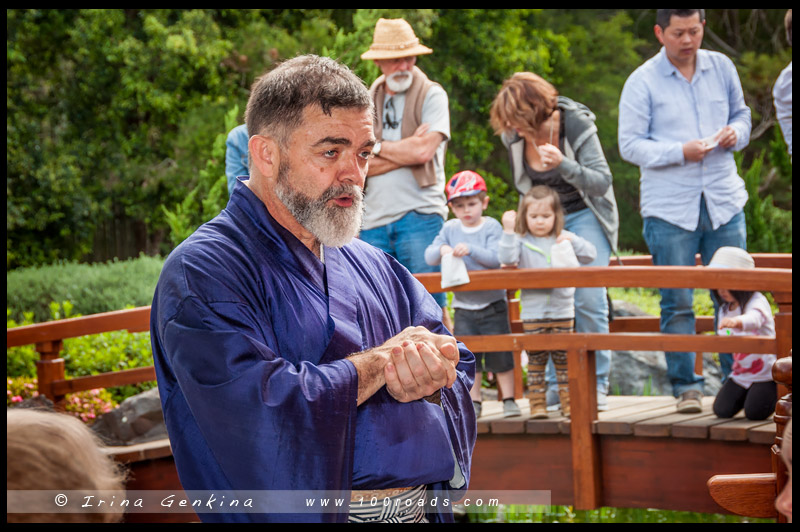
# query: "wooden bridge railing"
773,274
637,272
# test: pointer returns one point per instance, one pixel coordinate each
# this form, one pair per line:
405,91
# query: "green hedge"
90,288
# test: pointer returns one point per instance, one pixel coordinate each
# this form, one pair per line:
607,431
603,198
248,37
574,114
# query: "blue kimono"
250,332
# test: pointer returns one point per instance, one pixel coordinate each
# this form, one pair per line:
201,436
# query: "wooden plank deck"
652,416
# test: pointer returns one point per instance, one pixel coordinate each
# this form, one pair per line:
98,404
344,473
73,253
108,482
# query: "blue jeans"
406,240
591,304
672,246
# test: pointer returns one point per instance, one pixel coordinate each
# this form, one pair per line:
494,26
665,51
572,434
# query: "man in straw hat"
405,205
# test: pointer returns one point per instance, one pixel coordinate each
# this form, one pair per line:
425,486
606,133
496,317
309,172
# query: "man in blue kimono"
292,357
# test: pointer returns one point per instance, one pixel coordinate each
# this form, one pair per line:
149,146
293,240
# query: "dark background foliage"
116,119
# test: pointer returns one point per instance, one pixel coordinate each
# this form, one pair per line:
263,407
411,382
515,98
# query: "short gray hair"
279,97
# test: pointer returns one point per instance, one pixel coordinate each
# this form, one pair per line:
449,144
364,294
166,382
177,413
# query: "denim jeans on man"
671,245
406,240
591,304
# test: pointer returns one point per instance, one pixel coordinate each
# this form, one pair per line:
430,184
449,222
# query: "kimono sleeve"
242,417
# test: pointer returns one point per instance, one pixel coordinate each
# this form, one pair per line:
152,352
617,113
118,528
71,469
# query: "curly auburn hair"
524,103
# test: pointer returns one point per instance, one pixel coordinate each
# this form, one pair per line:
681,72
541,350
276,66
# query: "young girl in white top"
528,241
750,384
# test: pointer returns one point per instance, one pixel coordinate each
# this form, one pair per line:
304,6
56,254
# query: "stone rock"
620,307
40,402
645,372
138,419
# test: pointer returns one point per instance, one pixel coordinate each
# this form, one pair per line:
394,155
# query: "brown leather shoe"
563,394
538,405
690,402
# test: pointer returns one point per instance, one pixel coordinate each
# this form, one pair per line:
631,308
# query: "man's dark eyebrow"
342,141
333,140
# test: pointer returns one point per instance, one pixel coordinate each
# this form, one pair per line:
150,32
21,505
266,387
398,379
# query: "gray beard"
332,226
396,86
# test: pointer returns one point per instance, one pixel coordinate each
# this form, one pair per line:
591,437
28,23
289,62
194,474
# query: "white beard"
332,226
399,81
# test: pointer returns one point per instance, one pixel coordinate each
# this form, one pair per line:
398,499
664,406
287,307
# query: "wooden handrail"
133,320
762,260
104,380
765,280
620,342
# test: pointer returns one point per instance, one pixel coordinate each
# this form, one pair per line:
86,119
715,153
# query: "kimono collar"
245,207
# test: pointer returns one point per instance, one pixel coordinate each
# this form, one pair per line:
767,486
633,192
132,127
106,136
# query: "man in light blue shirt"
782,91
681,116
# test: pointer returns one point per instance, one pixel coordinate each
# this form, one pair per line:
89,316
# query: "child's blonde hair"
53,451
540,192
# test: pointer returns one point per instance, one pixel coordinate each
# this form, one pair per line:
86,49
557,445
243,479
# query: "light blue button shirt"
659,111
236,153
782,94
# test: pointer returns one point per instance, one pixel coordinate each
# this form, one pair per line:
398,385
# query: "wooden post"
698,363
782,374
50,368
783,323
783,331
516,327
586,472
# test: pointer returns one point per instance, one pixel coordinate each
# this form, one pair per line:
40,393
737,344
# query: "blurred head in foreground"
52,451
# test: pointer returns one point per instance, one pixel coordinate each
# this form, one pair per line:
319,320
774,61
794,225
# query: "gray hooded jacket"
584,165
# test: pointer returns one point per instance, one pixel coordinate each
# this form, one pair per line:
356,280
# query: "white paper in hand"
454,271
562,255
712,141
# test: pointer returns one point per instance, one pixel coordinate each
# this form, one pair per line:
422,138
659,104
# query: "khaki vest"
425,174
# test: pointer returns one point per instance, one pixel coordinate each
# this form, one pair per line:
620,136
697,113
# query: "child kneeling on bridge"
750,385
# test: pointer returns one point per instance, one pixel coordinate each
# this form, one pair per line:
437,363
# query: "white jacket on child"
529,251
757,320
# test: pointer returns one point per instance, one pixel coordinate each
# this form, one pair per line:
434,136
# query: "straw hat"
731,257
394,38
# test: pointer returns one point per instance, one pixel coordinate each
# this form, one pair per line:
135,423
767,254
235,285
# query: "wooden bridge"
638,454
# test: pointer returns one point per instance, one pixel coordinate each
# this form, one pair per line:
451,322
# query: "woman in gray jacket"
552,140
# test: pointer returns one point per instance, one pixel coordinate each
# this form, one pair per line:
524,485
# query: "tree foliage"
119,114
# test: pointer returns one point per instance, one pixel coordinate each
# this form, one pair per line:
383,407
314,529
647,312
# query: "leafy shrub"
86,406
90,404
769,228
20,361
107,352
20,388
91,289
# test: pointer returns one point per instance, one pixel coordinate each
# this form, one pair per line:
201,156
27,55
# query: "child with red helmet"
475,238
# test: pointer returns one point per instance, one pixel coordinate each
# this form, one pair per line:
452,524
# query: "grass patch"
567,514
649,300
